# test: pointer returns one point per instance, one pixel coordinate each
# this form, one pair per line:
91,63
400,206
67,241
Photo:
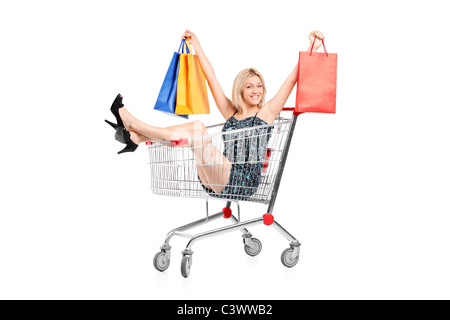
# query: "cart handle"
292,109
183,141
178,142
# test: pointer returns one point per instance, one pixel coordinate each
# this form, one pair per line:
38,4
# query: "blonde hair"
239,84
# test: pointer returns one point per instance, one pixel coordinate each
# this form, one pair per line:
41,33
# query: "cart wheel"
286,258
186,266
158,261
253,251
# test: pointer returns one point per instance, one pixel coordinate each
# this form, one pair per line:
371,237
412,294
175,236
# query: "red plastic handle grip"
292,109
179,142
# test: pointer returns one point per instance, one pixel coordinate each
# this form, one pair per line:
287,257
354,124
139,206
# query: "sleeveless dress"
246,151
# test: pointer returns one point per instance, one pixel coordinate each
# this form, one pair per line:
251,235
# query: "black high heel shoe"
122,135
112,124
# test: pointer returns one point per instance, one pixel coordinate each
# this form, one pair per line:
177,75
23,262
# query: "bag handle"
188,44
183,44
325,49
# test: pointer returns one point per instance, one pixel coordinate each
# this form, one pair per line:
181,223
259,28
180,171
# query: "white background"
366,191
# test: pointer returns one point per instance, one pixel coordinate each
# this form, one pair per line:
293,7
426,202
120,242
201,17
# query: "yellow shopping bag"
192,96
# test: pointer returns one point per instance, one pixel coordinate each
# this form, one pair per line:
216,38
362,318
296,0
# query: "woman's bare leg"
133,124
212,166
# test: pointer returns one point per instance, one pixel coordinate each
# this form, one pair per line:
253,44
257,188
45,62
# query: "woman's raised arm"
223,103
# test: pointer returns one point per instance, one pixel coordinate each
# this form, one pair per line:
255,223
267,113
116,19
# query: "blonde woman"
220,176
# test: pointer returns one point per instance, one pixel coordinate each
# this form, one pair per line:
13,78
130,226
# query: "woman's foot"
126,118
123,116
122,134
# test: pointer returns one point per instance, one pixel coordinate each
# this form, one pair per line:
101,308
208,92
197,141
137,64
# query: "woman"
246,109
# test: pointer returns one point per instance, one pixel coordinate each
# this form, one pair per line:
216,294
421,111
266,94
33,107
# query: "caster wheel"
158,261
253,251
286,258
186,266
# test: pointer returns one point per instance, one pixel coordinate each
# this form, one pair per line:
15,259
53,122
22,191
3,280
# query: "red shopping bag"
316,82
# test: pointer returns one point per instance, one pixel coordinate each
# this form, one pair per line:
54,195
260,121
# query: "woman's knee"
199,128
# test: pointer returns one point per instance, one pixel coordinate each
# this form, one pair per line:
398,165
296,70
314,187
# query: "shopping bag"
167,97
316,82
192,96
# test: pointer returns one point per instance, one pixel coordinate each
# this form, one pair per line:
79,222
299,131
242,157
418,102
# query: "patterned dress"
245,150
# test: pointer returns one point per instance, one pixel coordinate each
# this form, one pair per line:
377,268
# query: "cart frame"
252,246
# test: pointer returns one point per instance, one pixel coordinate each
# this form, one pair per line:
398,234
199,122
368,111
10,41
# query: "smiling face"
248,90
253,91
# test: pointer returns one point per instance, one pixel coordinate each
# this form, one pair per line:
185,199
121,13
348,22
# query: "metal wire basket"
251,162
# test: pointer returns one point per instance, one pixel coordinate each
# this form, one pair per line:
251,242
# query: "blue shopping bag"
167,97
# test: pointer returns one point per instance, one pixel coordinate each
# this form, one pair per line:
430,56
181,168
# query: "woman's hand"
224,104
318,36
193,40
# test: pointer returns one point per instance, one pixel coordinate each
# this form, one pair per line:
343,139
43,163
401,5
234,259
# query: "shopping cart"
259,151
